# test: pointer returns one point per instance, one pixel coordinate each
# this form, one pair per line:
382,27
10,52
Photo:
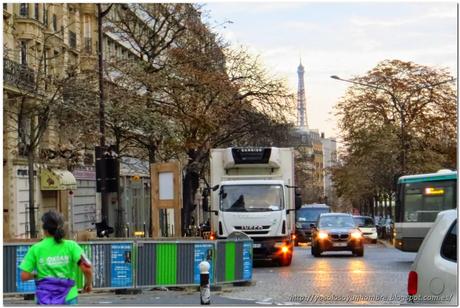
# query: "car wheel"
315,251
359,252
374,241
296,243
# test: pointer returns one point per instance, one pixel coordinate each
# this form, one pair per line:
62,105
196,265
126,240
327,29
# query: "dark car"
305,216
336,232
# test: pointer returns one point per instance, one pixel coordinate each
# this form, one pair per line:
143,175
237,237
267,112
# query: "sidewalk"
150,298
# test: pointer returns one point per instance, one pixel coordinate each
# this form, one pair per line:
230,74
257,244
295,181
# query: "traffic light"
106,167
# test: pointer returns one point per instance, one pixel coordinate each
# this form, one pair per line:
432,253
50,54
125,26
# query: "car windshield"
336,222
310,214
364,222
251,198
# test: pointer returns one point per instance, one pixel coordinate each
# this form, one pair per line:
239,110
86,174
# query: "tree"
400,118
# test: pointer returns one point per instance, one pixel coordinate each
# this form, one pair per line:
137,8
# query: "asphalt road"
380,277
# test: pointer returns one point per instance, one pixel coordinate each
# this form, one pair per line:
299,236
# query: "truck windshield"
251,198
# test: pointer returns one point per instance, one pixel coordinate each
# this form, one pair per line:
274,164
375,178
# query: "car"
367,226
433,275
336,232
305,216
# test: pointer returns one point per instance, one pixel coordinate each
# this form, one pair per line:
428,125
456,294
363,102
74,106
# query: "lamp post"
401,108
104,200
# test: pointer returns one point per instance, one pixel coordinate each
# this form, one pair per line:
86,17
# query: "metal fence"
145,263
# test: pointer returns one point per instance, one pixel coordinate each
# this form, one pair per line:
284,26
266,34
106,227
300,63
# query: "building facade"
43,42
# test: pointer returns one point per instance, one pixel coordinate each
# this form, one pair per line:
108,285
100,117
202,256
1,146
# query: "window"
423,201
23,133
449,245
72,39
45,14
24,10
54,22
23,53
36,11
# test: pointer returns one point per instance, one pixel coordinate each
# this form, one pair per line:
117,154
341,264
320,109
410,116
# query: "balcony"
18,75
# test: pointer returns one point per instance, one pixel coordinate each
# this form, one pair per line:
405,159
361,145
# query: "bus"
419,200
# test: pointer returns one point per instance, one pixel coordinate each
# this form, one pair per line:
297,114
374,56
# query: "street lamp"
396,102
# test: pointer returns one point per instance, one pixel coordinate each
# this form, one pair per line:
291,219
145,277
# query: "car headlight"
323,235
355,235
298,225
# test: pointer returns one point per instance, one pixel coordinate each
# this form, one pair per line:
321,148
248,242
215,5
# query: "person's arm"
28,265
27,276
85,266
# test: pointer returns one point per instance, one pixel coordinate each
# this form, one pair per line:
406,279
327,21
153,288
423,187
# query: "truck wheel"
285,261
359,252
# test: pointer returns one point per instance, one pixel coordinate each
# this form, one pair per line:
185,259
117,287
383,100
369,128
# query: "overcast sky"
344,39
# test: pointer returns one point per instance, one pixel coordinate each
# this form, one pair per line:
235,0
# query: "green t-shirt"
51,259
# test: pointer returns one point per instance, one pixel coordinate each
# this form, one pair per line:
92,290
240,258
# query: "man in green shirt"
56,262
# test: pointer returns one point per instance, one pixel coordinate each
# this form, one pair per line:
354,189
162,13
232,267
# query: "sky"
343,38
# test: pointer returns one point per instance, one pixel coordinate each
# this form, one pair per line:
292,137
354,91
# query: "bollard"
205,287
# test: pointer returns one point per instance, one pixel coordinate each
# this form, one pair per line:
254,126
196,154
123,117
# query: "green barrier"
166,259
143,263
230,258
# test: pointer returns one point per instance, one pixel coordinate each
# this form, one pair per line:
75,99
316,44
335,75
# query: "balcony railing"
17,74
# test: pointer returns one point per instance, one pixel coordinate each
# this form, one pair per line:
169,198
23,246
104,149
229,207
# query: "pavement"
150,298
338,278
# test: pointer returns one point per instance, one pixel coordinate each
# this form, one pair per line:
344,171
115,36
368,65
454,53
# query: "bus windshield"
310,214
423,201
251,198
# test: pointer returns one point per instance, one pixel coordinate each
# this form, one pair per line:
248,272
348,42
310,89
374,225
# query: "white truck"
253,191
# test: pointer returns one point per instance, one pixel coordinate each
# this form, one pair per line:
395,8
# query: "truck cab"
253,192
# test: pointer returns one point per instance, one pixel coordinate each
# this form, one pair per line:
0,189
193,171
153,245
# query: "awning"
56,179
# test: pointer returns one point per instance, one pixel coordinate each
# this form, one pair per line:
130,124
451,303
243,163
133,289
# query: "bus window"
423,201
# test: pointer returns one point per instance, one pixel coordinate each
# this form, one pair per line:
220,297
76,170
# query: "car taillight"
412,283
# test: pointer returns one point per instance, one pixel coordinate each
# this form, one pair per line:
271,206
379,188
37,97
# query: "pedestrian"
53,263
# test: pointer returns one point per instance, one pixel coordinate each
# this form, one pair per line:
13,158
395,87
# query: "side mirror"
205,200
313,226
298,200
215,187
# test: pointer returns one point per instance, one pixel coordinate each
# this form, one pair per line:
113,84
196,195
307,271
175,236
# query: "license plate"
339,244
256,245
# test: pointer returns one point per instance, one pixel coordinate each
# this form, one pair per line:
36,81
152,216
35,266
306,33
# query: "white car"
433,275
366,225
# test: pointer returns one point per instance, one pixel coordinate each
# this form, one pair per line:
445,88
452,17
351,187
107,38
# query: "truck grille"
253,230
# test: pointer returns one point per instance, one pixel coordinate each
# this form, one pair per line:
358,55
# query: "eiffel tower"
302,122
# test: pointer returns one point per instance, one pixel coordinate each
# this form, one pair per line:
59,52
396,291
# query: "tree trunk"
120,221
152,159
30,161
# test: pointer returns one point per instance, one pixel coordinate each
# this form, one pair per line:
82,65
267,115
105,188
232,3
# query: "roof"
427,177
336,214
315,205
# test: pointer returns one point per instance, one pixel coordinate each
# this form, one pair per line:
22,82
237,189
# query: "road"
334,278
380,277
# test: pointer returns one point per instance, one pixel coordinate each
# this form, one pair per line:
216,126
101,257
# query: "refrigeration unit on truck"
253,192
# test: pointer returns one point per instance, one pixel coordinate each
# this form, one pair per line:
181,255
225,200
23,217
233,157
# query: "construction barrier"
145,263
